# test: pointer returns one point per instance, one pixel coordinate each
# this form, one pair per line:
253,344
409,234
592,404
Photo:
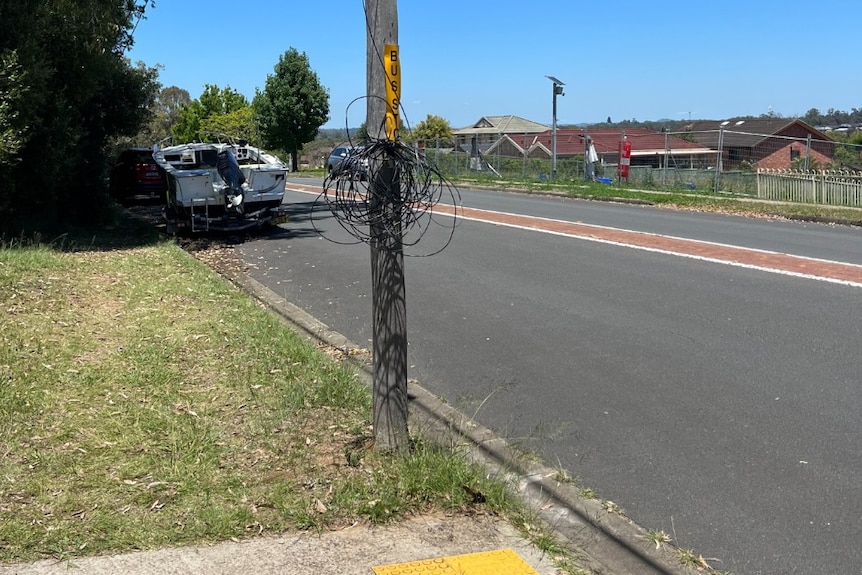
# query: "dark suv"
136,178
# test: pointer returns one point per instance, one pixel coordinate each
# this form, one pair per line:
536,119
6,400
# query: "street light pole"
558,90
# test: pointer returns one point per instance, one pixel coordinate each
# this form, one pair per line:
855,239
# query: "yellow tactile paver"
484,563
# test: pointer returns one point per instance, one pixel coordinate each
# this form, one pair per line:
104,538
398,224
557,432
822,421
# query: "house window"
794,154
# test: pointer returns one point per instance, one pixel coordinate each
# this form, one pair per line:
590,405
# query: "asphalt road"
717,403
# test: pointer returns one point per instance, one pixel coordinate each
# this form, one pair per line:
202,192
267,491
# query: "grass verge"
667,198
146,402
680,199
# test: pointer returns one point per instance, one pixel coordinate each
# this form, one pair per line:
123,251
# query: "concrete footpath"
352,551
602,541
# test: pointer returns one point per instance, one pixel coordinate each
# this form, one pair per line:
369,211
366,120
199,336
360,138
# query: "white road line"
645,248
683,254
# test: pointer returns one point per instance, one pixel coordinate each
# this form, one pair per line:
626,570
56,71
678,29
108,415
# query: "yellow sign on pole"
392,64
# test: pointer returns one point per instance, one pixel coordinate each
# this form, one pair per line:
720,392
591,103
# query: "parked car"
343,161
136,178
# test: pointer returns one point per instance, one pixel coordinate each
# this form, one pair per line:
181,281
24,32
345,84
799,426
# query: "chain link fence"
722,161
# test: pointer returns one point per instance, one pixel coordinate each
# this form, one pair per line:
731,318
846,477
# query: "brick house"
649,148
513,137
763,142
746,143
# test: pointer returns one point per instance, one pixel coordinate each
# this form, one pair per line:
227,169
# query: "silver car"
343,161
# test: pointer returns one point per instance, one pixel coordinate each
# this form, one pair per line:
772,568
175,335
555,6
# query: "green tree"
187,127
69,91
292,106
239,124
198,120
813,117
360,134
218,102
12,92
166,111
433,130
837,136
846,157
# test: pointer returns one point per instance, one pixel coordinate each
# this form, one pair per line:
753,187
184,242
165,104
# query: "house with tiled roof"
769,142
489,129
649,148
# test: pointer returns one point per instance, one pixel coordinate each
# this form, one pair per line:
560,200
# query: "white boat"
221,186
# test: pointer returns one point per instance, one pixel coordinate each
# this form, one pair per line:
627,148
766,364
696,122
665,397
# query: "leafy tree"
199,119
434,130
68,91
166,111
846,157
170,101
238,124
812,117
218,102
842,137
360,134
187,127
292,106
771,114
12,93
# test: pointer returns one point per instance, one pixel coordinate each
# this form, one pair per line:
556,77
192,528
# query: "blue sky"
627,59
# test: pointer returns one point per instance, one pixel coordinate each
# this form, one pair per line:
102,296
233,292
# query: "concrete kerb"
605,541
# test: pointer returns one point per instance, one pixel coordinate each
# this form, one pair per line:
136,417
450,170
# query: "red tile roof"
570,141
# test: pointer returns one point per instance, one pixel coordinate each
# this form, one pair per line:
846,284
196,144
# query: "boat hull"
200,198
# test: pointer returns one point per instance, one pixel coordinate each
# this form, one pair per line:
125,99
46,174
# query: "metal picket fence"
834,188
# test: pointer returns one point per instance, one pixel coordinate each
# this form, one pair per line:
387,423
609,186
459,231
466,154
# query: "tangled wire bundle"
389,189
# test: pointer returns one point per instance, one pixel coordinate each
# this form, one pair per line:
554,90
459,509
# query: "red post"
625,157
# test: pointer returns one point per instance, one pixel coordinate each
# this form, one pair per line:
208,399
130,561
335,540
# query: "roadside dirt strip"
773,262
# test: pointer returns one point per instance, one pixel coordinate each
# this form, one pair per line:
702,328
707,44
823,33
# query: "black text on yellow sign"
393,90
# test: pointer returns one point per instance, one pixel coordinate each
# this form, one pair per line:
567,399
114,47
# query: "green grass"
674,199
657,538
145,401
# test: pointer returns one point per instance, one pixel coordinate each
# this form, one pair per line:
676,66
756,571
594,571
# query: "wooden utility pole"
387,255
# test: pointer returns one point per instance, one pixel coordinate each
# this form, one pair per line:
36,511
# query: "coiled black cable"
387,188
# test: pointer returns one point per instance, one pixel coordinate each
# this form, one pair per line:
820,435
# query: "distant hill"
336,135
